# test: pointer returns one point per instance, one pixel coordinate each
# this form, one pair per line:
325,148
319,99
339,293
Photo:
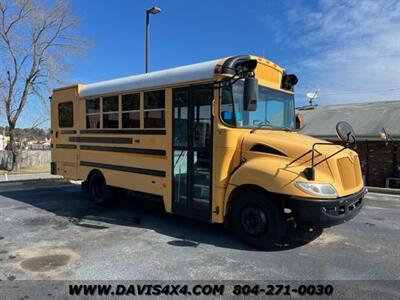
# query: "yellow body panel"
267,171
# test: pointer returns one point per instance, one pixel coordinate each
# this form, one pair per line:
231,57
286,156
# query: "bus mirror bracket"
309,172
244,70
345,132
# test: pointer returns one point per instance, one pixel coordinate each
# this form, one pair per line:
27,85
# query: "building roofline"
307,107
358,137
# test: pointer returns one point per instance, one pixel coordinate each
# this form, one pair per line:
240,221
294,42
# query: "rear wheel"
98,190
257,220
84,188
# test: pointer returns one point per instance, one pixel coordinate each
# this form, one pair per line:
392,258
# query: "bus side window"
110,112
154,109
131,110
93,113
66,114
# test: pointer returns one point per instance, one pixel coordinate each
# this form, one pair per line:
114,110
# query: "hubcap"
254,220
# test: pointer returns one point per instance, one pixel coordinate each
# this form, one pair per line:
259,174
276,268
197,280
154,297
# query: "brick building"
379,160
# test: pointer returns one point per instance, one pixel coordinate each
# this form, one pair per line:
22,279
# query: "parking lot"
48,230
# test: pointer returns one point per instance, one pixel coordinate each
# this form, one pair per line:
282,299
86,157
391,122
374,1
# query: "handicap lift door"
192,145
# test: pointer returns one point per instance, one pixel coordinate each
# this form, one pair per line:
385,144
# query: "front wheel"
257,220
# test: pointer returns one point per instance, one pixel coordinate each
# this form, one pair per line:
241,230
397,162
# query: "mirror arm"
310,172
347,143
301,156
344,148
231,80
388,137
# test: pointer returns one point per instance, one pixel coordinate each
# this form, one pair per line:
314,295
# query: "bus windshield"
275,109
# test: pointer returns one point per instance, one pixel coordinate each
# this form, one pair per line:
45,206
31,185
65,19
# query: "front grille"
349,172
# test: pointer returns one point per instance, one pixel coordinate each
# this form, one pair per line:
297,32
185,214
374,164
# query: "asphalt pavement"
48,230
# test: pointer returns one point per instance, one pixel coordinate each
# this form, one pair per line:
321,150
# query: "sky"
348,50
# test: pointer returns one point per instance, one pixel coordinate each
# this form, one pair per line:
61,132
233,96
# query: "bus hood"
284,143
283,148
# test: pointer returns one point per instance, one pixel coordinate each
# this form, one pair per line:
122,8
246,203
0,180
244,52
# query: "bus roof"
194,72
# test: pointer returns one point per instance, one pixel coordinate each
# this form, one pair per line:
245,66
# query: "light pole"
152,10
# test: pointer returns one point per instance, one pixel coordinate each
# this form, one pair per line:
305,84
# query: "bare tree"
37,39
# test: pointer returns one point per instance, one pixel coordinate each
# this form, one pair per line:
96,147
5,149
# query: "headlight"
320,189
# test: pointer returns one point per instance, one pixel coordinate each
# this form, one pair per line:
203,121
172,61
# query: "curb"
33,180
22,173
380,190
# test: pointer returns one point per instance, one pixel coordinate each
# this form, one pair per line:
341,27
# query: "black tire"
99,192
84,188
257,220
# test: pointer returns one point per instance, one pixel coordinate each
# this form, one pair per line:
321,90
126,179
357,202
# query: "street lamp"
152,10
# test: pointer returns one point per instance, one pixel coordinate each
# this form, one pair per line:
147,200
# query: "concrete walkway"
23,177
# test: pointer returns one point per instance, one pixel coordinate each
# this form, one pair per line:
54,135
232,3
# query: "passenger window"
93,113
66,114
110,112
110,104
154,109
131,111
93,106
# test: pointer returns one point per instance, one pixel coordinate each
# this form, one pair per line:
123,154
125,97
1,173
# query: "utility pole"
152,10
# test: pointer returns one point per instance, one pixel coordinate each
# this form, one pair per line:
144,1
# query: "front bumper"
326,212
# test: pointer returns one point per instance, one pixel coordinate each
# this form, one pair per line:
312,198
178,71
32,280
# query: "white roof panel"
187,73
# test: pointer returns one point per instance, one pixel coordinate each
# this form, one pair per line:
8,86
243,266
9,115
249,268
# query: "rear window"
66,114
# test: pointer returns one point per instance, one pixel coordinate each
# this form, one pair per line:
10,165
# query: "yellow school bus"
216,141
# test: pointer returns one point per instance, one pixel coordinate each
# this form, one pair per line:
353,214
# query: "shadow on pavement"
65,200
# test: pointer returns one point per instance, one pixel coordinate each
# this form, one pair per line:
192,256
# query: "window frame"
132,111
154,109
110,112
99,113
141,110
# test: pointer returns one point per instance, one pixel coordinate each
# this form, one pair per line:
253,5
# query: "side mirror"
250,94
345,132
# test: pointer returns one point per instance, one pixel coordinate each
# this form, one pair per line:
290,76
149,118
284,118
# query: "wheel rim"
254,220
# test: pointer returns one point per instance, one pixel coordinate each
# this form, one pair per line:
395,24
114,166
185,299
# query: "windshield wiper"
286,128
261,124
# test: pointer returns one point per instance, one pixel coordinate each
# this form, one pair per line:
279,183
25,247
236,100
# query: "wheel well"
94,171
242,189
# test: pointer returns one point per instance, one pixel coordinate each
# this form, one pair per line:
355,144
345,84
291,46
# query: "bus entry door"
192,150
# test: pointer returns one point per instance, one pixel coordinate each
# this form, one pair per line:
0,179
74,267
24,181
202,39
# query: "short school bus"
215,140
